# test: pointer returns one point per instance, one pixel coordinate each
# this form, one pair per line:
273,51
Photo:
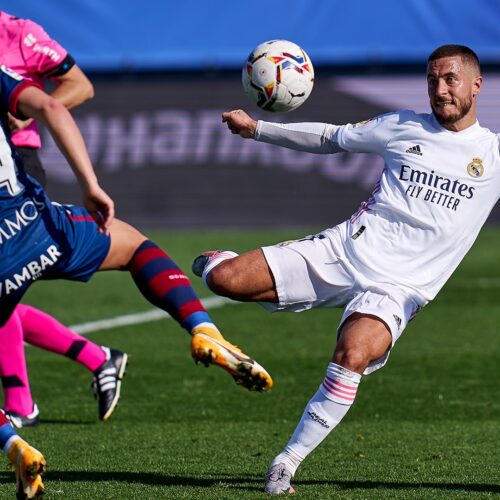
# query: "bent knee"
124,242
353,359
222,279
246,278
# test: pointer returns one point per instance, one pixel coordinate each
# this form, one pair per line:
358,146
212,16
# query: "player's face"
453,87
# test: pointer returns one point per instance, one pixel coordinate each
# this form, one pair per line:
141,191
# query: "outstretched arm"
34,103
73,88
311,137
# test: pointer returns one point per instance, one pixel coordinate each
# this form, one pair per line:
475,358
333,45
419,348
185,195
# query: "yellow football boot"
30,465
209,347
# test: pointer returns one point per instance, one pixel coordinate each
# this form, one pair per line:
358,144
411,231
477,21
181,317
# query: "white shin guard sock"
322,414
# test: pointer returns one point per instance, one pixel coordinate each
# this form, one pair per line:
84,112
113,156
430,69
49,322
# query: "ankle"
208,329
13,446
290,459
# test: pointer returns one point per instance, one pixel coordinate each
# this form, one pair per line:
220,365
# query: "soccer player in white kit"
440,182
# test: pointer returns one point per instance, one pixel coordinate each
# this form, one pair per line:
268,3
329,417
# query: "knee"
222,279
125,240
353,359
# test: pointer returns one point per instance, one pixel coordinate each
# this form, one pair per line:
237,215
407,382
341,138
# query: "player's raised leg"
245,277
27,461
166,286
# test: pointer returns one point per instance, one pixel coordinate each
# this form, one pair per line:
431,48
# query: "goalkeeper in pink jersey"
27,49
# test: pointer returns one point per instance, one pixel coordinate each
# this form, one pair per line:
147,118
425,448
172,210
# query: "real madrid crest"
475,167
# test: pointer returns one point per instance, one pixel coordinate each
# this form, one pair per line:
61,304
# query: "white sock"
322,414
215,260
205,324
9,443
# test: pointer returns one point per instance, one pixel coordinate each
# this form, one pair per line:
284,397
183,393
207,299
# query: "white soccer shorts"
309,274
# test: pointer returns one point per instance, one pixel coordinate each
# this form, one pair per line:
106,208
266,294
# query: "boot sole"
121,374
244,370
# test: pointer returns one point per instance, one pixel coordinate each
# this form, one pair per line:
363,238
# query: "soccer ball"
278,76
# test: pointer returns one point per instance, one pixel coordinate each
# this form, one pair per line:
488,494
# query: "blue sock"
6,432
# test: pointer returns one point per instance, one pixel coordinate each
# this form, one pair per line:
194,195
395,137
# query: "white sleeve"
311,137
371,136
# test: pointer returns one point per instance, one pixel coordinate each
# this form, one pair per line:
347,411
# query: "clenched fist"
240,123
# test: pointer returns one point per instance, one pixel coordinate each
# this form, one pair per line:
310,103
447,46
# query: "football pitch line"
215,302
142,317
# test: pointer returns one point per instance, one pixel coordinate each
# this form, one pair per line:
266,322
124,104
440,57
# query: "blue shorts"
49,241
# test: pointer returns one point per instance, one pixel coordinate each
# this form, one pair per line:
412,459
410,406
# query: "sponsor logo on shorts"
358,233
31,271
317,418
21,218
397,319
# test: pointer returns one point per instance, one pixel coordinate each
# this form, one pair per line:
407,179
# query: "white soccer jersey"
435,193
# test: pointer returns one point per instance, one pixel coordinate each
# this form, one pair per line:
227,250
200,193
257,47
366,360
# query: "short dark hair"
467,55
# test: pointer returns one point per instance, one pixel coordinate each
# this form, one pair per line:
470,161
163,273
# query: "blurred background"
163,72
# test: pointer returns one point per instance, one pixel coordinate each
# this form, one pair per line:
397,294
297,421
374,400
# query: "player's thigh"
246,277
308,274
125,240
363,338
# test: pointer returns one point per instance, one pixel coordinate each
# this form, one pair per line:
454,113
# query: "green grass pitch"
426,426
